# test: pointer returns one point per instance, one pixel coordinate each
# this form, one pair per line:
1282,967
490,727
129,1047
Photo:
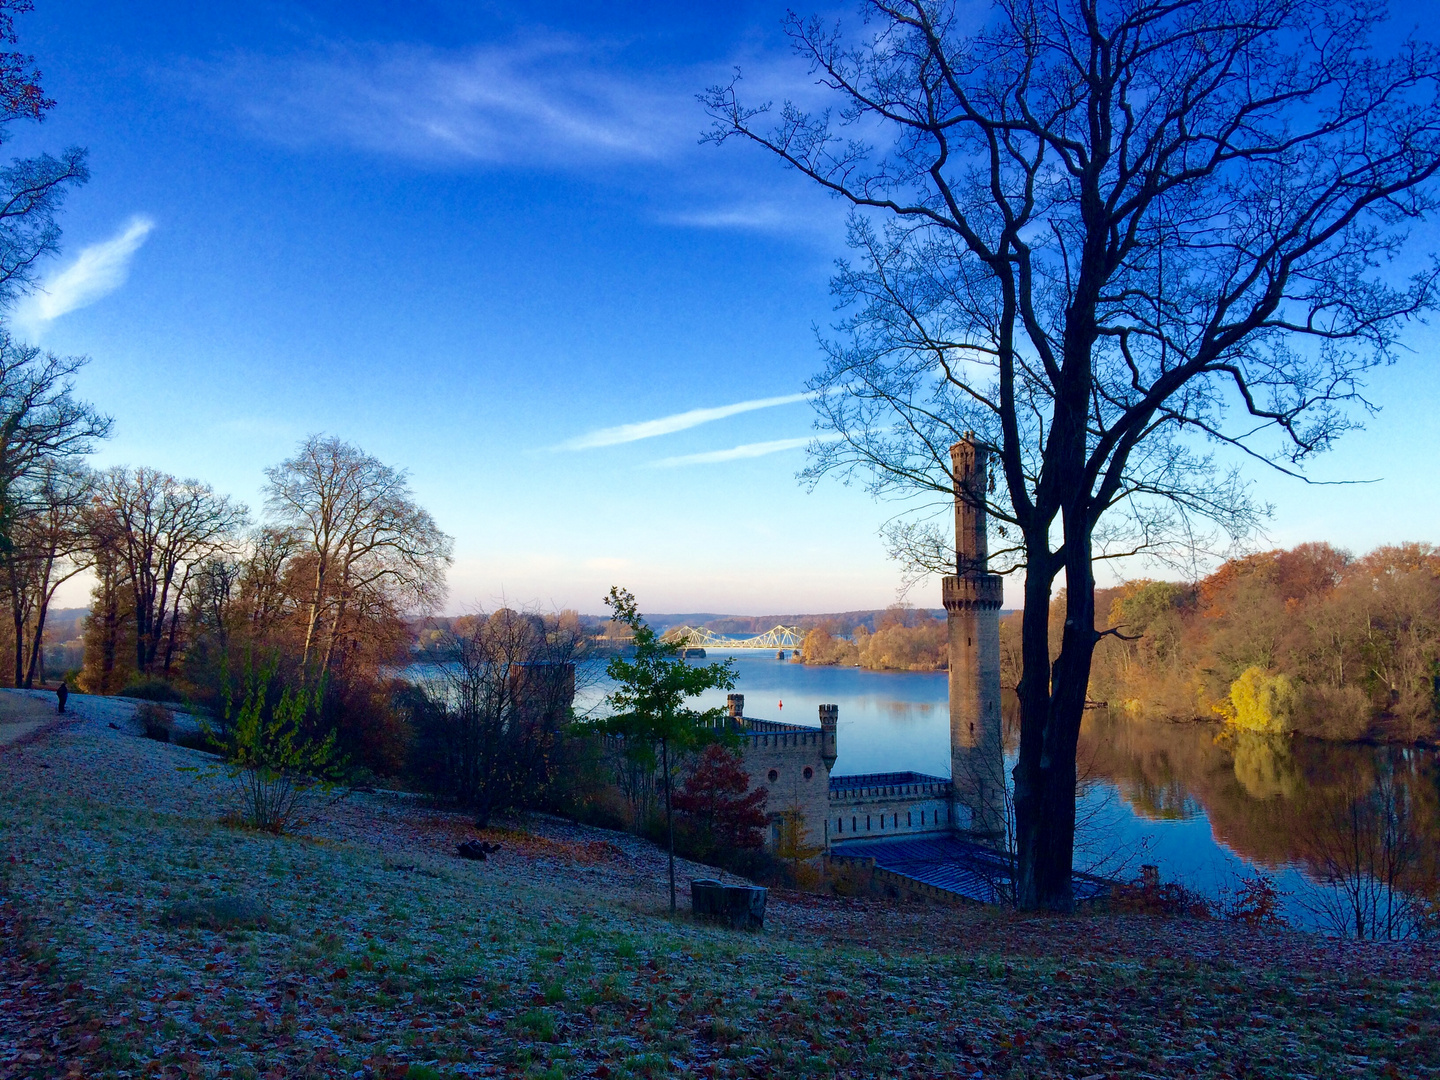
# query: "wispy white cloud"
98,270
735,453
543,99
765,216
546,99
666,425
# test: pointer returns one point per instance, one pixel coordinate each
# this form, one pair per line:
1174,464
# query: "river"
1207,810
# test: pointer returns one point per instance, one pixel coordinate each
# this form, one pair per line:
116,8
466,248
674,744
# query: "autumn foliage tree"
369,547
716,805
1355,639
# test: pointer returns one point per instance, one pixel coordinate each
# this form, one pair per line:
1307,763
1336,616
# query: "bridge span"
697,637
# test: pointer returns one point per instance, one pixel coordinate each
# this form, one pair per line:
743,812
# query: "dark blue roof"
958,866
883,779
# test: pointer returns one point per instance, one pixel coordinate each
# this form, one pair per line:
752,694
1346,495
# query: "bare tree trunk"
42,600
110,638
36,663
314,621
669,819
174,623
335,624
1034,694
17,612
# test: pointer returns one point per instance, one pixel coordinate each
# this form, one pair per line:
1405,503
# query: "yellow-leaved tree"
1259,702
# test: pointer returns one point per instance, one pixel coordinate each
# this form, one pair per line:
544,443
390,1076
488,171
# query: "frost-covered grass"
382,955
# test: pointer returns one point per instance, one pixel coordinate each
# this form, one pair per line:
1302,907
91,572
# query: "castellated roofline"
983,592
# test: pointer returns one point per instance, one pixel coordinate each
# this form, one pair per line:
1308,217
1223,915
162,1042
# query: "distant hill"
65,624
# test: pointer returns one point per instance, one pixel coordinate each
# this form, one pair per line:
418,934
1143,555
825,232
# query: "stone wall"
889,805
792,762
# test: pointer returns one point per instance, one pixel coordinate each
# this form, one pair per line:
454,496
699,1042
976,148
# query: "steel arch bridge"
696,637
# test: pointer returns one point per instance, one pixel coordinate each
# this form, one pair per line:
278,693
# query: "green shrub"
274,760
152,689
156,720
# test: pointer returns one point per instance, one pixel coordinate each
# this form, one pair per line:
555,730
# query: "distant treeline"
1311,640
896,639
870,620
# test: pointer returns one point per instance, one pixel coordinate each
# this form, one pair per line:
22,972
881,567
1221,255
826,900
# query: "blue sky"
470,237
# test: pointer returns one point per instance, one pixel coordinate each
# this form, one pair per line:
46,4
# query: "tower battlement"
975,591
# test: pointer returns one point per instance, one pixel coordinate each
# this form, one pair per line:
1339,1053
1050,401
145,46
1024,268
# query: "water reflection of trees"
1371,848
1363,820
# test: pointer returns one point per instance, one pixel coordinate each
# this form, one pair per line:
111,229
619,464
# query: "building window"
809,772
867,822
852,824
908,822
840,825
774,776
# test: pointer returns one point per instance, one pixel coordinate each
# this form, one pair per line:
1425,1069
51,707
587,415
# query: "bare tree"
41,420
31,189
214,591
1100,233
164,529
50,544
111,618
44,430
369,540
263,573
487,736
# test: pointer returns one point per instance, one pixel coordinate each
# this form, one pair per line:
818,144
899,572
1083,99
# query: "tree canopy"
649,705
1128,245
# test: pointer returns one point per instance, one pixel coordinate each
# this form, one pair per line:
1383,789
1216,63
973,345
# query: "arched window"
773,776
809,772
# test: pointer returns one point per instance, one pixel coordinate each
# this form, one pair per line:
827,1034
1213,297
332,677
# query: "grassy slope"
557,960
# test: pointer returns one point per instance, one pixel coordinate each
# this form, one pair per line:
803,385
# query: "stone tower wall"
790,751
972,601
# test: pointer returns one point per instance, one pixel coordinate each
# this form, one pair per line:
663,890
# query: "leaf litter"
139,937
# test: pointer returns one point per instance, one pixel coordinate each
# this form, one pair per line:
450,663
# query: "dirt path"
21,714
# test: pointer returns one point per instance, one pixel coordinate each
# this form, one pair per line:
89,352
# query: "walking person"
61,693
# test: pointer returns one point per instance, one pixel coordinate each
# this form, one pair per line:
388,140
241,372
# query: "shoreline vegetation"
1311,641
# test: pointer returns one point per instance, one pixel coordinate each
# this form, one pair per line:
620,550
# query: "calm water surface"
1208,812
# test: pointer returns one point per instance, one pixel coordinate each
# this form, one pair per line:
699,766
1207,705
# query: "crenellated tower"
829,721
972,604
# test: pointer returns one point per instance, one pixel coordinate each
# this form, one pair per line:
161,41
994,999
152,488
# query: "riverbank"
362,946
